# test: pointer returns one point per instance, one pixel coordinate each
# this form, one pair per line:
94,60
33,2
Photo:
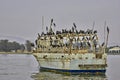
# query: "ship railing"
61,50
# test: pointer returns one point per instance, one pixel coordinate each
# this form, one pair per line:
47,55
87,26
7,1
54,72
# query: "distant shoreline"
15,52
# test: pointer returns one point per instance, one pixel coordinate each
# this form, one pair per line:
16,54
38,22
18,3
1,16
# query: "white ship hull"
77,63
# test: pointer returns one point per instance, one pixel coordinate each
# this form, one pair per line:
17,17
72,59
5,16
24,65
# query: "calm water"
25,67
17,66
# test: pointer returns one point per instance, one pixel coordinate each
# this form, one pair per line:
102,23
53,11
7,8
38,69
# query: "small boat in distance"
70,51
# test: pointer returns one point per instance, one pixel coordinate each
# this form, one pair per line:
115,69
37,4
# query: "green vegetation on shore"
14,47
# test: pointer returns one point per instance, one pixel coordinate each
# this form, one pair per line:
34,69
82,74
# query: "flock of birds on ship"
74,30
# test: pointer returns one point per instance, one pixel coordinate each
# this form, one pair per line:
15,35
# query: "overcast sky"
23,18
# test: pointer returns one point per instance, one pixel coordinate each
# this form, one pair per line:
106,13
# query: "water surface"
17,66
25,67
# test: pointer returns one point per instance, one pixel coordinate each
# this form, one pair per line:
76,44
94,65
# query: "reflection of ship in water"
54,76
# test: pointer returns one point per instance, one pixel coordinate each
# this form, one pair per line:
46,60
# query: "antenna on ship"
93,36
104,30
93,26
104,43
42,23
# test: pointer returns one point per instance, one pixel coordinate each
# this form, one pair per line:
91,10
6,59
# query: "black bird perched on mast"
74,25
95,31
72,29
107,29
54,24
51,22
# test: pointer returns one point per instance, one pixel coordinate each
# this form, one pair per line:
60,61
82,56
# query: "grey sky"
23,18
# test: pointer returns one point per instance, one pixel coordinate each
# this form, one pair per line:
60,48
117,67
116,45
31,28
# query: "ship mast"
93,25
42,23
107,36
104,31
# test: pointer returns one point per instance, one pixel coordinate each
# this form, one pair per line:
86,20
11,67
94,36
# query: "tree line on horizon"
7,46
